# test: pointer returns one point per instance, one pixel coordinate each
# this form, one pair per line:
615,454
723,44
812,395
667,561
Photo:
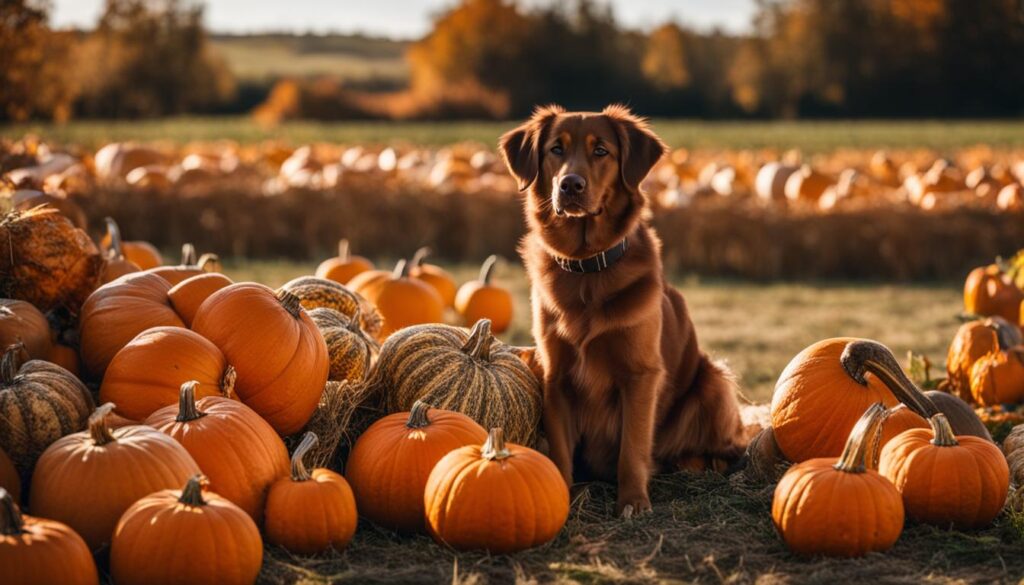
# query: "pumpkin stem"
862,447
480,340
192,493
343,250
11,362
227,382
419,256
494,448
188,255
944,436
862,356
487,268
11,522
401,270
188,411
418,415
114,231
98,429
290,302
209,262
299,471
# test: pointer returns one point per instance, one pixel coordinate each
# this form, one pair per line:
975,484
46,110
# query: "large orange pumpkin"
391,461
22,322
185,537
947,479
974,340
188,295
479,299
235,448
310,511
40,551
88,479
279,354
403,301
988,291
147,374
497,497
437,277
840,508
142,254
343,267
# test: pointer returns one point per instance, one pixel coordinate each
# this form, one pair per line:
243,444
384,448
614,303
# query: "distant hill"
356,59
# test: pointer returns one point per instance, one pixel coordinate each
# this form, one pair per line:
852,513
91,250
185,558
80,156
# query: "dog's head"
579,169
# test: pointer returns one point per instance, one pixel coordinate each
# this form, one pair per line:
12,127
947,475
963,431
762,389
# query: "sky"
408,18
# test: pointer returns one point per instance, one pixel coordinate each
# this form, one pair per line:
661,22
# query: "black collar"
595,263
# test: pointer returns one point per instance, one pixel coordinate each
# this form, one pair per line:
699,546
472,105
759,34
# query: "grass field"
807,136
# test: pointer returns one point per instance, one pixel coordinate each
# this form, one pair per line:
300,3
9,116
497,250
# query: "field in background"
806,136
756,328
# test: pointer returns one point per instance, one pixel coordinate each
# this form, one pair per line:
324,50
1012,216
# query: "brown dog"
626,388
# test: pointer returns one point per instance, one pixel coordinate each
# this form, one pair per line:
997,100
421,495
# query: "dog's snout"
572,185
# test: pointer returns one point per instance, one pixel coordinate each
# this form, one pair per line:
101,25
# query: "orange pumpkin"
344,266
988,292
88,479
497,497
280,356
479,299
214,541
435,276
310,512
23,322
391,461
190,266
238,450
66,357
117,265
807,184
974,340
41,551
120,310
187,296
998,378
947,479
840,508
403,301
142,254
9,478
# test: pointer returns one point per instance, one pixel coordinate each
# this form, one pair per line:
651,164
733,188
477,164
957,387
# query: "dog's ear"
640,148
520,148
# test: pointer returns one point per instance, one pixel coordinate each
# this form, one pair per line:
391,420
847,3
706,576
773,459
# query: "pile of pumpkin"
202,382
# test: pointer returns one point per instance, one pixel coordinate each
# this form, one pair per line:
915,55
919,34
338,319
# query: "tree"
33,59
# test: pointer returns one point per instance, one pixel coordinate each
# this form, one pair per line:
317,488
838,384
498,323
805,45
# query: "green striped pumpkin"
349,348
40,402
468,371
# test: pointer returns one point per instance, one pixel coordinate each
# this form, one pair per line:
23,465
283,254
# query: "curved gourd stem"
343,250
480,341
299,471
192,493
10,364
98,429
401,270
494,448
487,268
861,450
290,302
209,262
116,249
11,522
420,256
227,382
418,415
188,255
862,356
188,410
944,436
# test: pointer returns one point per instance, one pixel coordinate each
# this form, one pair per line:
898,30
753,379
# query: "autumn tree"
33,63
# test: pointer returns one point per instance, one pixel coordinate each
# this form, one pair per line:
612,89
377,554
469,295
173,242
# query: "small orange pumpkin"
998,378
974,340
311,511
479,299
435,276
117,264
403,301
187,296
344,267
41,551
142,254
66,357
988,292
190,266
23,322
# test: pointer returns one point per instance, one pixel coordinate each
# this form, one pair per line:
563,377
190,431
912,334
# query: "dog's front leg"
559,427
639,400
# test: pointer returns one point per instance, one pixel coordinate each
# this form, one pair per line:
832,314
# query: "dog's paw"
633,506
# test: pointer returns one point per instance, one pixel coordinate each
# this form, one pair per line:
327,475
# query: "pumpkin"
27,199
310,511
961,416
403,301
988,291
439,278
479,299
390,463
840,508
40,551
9,477
88,479
1013,448
947,479
147,374
189,267
117,265
827,386
142,254
40,402
237,450
349,348
66,357
22,322
45,260
1011,197
213,541
188,295
315,293
765,462
771,179
120,310
807,184
343,267
498,497
998,378
972,341
280,356
898,419
466,371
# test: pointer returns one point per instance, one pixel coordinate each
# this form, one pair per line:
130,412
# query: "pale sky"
409,18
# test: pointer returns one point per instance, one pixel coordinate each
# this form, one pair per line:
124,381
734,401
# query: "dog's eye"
557,149
600,151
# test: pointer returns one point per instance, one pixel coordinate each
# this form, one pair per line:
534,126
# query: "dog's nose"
572,185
